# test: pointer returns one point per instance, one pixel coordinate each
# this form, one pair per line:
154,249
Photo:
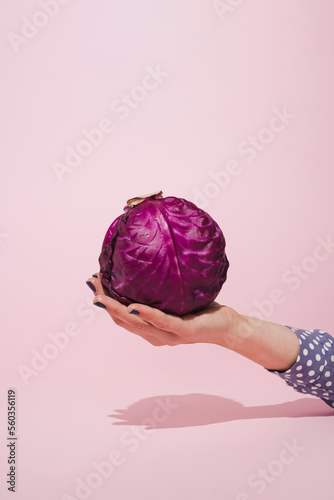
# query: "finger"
152,340
152,322
97,284
141,327
118,311
159,319
155,317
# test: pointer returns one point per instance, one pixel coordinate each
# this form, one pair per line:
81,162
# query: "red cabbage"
164,252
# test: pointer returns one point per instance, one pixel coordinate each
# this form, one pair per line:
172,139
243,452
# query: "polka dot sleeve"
313,371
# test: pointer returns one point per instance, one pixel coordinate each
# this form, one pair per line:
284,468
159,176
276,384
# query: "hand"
210,325
271,345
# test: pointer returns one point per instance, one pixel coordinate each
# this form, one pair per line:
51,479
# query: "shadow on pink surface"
188,410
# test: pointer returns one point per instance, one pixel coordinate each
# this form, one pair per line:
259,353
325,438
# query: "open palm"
209,325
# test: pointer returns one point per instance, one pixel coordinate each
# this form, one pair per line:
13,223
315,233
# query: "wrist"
232,331
238,332
271,345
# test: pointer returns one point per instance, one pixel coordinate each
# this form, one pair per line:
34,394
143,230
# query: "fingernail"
91,286
95,275
133,311
99,304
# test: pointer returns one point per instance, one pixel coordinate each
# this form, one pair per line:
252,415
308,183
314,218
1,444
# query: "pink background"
225,74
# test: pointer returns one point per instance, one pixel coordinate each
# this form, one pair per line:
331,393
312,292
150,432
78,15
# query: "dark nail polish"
134,312
99,304
91,286
95,275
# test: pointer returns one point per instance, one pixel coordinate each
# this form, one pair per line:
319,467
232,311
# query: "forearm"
271,345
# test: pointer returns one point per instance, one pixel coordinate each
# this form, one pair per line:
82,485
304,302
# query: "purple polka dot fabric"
313,371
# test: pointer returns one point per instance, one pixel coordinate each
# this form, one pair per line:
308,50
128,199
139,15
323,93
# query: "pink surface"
231,106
